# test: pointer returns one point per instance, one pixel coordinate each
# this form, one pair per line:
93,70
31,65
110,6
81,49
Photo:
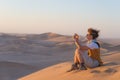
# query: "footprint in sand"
110,70
95,71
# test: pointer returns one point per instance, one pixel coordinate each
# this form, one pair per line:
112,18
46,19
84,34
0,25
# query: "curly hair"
94,32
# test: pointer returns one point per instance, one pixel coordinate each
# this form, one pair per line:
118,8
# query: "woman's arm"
79,46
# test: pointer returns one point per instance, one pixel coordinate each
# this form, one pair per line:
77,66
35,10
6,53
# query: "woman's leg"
78,61
78,57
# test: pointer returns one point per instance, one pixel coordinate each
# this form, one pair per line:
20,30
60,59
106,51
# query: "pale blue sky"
60,16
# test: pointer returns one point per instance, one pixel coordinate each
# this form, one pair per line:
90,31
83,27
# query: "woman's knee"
77,50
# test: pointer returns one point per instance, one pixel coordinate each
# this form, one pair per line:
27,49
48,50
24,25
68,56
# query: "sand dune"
47,56
110,71
13,70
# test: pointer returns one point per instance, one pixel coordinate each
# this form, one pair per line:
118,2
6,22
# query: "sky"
60,16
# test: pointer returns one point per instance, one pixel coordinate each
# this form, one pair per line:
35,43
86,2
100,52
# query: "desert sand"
110,71
48,56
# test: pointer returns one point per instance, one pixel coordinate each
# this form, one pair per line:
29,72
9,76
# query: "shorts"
88,61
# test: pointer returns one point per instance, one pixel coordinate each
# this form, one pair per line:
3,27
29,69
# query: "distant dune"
47,56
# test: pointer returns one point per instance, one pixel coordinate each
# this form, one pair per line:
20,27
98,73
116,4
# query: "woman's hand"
76,36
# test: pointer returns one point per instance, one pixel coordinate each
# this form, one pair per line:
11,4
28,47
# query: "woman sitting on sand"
88,55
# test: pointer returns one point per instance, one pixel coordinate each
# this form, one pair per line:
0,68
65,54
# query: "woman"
88,55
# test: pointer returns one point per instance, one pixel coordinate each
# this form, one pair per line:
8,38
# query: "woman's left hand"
76,36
